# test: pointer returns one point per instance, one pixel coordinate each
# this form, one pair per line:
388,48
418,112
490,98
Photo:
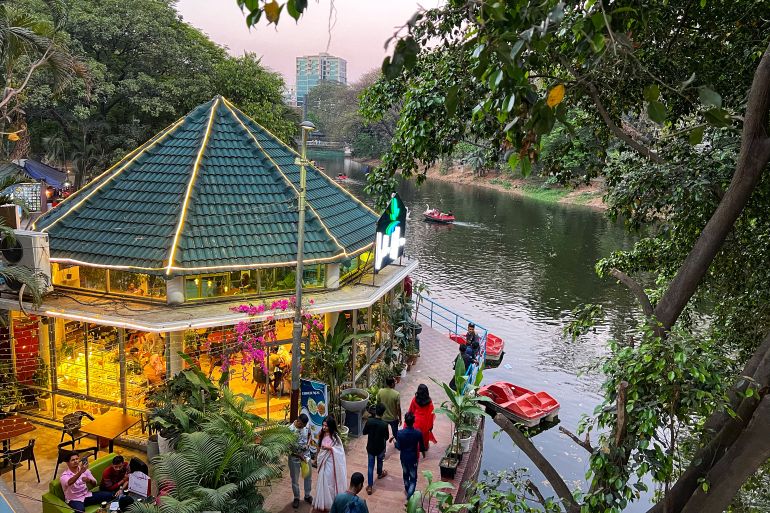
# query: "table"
11,427
110,425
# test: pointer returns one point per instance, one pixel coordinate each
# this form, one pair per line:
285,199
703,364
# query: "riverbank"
586,195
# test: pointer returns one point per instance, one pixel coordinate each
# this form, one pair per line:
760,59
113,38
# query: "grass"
505,184
584,197
543,194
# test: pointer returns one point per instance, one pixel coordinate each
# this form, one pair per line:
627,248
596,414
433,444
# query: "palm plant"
329,357
218,467
462,404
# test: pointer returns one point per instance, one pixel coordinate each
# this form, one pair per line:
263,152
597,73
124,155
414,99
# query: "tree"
30,45
507,72
147,68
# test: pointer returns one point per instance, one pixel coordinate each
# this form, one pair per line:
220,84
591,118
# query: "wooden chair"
64,454
18,456
72,422
259,378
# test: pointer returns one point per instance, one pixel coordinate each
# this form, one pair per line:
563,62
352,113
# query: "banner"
314,401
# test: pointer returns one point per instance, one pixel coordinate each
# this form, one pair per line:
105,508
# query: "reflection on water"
518,267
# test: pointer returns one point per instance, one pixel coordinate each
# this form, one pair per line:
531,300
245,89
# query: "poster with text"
315,404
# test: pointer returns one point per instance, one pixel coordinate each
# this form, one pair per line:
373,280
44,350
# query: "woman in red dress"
422,407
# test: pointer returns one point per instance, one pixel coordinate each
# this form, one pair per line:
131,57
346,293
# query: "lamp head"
307,125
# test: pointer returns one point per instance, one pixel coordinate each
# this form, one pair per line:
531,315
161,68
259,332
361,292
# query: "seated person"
276,365
76,482
137,465
124,503
155,370
114,476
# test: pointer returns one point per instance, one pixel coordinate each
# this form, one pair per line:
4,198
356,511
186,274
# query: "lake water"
518,266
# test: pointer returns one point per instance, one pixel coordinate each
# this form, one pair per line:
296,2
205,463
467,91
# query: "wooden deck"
437,355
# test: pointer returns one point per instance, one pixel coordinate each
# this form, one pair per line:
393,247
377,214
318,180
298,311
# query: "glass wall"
241,283
109,280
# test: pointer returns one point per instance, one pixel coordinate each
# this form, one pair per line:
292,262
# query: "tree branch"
616,130
753,158
585,444
540,461
749,452
725,428
532,487
622,420
638,290
13,92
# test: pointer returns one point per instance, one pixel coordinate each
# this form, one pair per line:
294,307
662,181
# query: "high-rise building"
312,69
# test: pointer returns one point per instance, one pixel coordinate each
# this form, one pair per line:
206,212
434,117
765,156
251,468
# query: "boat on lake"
436,216
341,177
520,404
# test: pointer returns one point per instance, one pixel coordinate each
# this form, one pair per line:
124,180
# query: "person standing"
410,442
466,360
301,453
350,502
376,430
76,482
391,399
332,469
471,336
422,408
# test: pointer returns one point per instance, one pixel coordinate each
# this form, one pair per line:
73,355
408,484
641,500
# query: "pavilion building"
149,259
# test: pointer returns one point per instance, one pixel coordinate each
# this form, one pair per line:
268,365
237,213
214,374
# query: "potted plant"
461,406
10,392
329,359
354,400
448,465
399,371
411,353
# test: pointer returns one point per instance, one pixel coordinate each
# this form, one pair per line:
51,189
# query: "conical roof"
213,191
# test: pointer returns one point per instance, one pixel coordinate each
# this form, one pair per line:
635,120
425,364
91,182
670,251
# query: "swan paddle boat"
436,216
520,404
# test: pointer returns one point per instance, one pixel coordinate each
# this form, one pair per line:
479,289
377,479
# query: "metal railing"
439,316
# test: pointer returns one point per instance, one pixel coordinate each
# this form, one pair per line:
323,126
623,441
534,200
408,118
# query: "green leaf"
651,93
709,97
517,46
696,135
510,103
597,42
526,167
451,100
657,112
718,117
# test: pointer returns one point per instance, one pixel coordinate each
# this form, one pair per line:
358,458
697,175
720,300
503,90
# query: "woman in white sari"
332,469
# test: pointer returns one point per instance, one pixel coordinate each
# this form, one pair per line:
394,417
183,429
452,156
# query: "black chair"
72,422
64,454
18,456
259,377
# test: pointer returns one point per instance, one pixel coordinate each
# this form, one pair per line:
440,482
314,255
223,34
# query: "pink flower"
312,302
261,308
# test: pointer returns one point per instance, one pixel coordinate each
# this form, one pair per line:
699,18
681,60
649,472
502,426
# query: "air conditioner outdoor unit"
30,250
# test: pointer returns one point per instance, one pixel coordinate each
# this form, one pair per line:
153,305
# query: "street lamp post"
296,337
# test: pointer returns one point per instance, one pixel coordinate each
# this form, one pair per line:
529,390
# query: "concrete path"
437,355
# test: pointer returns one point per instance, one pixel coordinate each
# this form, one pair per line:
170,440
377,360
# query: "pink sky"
361,30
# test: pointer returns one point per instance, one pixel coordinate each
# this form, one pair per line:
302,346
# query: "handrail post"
431,314
456,332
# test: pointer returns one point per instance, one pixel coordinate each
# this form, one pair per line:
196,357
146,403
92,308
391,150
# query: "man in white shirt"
300,453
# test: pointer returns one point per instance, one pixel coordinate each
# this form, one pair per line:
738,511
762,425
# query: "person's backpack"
354,506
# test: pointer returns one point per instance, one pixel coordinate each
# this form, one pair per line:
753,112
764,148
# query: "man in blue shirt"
342,501
409,441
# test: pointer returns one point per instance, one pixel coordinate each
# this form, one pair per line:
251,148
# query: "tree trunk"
747,454
755,153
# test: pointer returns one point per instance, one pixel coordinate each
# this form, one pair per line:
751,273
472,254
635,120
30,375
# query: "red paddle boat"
519,404
341,177
436,216
495,346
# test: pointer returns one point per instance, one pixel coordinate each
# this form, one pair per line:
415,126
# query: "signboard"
314,402
390,237
139,483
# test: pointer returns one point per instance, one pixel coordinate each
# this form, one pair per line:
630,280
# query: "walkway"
437,355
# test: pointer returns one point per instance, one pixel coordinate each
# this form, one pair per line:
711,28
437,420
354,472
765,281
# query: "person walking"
422,408
376,430
332,468
300,454
350,502
391,399
410,442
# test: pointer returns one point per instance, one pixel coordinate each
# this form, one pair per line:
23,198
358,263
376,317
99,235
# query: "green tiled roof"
215,190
